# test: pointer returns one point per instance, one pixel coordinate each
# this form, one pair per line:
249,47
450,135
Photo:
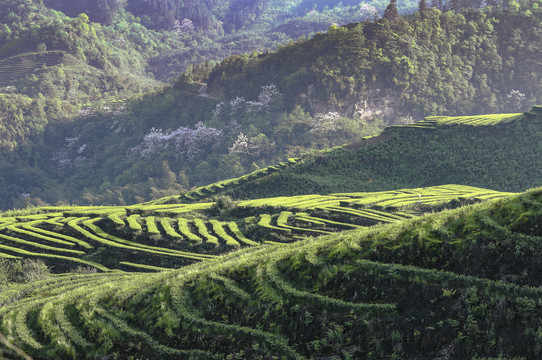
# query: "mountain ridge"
393,68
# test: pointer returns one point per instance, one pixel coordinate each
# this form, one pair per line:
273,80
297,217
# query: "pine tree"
391,11
422,5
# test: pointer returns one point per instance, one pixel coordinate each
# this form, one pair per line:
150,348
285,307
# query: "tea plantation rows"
164,236
495,151
17,67
461,283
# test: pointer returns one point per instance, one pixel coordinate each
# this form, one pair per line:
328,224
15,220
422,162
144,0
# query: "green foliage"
486,151
434,63
150,222
219,230
402,290
22,271
170,231
185,230
133,223
204,232
67,238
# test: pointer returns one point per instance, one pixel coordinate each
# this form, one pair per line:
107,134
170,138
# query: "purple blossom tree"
237,105
71,154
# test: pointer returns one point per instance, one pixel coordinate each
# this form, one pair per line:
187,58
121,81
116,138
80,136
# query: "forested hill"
431,63
499,152
58,57
229,16
64,113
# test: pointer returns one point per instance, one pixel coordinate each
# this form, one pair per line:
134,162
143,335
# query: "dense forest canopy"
58,56
431,63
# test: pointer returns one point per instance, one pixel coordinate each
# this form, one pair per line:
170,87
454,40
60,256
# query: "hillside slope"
430,63
464,283
58,57
158,236
65,120
492,151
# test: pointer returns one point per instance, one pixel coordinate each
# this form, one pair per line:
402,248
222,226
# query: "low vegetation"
489,151
164,234
461,283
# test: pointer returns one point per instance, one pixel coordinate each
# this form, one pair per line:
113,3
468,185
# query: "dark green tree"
422,6
391,11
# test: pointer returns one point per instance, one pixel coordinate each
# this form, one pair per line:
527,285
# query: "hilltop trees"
391,12
422,6
440,63
103,11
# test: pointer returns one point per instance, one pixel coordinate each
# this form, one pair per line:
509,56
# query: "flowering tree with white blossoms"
241,145
239,106
188,144
323,124
72,153
251,147
516,99
184,26
268,94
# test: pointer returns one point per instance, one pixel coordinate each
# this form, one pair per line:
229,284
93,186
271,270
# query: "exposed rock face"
374,103
315,105
377,105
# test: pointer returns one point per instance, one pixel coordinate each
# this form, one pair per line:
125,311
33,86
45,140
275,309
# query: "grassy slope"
460,284
491,151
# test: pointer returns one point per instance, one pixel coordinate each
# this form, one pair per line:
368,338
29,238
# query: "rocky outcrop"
374,103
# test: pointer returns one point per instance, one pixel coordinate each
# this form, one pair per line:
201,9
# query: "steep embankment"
498,152
460,284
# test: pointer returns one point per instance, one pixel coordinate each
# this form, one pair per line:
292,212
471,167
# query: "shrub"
22,271
224,203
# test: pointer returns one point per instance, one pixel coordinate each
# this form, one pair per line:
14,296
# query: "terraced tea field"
432,122
486,151
17,67
155,237
213,189
451,282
